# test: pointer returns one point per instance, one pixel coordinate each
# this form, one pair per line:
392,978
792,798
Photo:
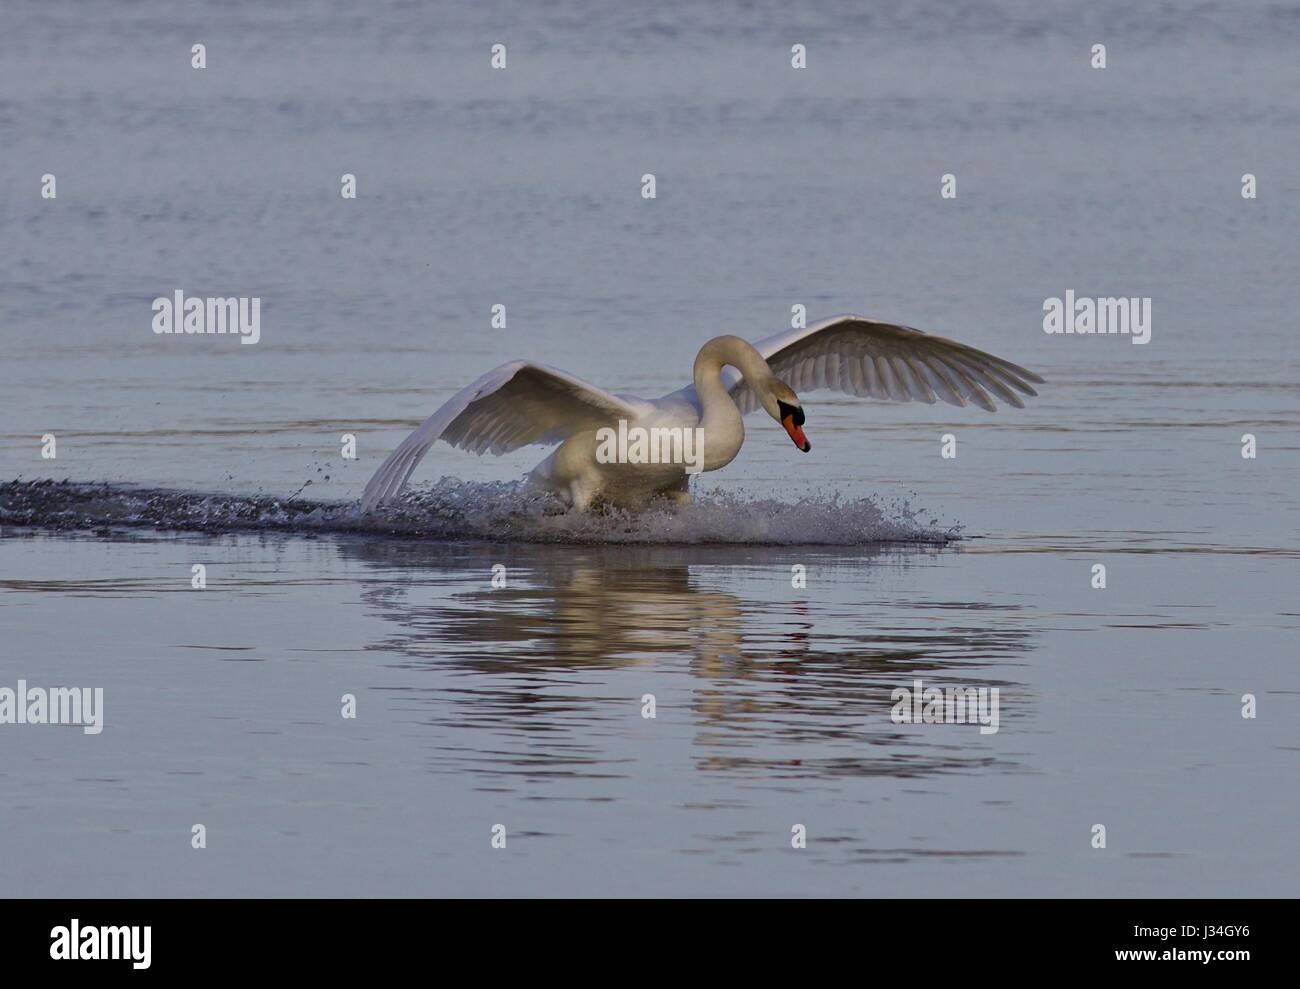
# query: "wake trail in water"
467,510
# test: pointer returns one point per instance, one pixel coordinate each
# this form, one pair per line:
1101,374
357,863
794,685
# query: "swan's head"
783,405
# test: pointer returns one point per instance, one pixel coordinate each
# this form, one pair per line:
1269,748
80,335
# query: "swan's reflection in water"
763,678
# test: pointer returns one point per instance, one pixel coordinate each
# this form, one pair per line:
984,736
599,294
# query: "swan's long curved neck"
724,428
719,353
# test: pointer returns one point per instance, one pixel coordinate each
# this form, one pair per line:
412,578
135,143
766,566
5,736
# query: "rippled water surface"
522,705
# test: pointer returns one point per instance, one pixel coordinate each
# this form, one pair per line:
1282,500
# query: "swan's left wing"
863,357
509,407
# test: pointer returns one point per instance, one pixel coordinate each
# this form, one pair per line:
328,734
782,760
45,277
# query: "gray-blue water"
522,705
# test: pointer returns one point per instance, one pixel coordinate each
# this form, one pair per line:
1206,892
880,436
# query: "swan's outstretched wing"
862,357
511,406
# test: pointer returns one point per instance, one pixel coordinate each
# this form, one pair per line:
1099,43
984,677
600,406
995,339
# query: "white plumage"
520,403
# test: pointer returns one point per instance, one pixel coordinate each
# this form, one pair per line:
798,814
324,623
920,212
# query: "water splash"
465,510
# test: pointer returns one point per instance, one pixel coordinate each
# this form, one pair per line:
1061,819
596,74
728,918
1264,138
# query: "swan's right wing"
861,356
511,406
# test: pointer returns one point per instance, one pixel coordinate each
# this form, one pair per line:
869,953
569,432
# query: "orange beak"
796,434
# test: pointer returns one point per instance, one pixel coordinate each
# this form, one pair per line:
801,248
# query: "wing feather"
861,356
921,384
511,406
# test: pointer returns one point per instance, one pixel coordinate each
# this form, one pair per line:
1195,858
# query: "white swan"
521,403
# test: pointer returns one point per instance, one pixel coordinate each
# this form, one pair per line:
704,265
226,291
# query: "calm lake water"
522,705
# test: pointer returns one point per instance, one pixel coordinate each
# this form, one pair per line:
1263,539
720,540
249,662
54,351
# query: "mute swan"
521,403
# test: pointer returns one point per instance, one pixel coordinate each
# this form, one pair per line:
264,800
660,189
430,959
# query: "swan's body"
521,403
